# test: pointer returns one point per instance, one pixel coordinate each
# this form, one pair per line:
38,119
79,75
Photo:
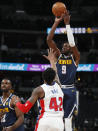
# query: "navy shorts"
69,102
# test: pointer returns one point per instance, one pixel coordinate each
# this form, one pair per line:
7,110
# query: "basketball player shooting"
67,62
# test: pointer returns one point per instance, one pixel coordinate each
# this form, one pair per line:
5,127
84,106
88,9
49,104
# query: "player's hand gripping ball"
58,9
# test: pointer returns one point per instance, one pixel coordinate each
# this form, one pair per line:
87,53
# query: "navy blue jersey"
9,118
66,69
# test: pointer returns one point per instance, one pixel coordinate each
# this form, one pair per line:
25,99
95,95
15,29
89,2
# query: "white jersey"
52,104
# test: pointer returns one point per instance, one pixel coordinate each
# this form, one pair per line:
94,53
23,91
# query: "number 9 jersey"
66,69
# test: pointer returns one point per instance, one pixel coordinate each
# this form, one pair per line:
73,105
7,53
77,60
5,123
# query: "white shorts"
50,124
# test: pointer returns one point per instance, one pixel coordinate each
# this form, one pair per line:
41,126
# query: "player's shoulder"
57,83
43,85
38,91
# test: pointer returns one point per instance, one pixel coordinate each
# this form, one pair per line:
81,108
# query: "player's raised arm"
71,40
50,36
52,59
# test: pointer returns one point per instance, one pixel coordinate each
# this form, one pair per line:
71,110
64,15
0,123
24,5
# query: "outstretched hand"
59,19
51,55
65,16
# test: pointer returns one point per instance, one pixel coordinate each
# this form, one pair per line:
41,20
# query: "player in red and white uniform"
51,117
50,97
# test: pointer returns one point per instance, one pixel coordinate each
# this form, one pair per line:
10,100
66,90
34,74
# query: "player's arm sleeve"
71,41
24,107
70,36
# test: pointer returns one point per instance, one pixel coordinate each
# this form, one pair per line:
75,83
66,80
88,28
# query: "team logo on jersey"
67,62
4,110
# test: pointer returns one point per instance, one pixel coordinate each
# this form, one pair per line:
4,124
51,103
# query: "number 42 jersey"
52,103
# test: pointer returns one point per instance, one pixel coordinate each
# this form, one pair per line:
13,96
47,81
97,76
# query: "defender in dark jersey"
10,116
67,62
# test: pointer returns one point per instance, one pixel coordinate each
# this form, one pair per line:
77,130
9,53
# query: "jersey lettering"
54,91
67,62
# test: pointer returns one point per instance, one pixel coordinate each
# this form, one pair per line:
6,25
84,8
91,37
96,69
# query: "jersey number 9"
64,69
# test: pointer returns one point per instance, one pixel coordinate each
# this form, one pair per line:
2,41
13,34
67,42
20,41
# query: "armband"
24,107
70,36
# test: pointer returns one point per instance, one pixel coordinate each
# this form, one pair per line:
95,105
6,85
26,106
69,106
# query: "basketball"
58,9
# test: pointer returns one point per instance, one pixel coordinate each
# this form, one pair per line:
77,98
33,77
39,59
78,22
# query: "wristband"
24,107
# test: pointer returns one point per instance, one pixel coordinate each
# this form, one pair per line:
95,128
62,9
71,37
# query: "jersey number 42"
54,105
